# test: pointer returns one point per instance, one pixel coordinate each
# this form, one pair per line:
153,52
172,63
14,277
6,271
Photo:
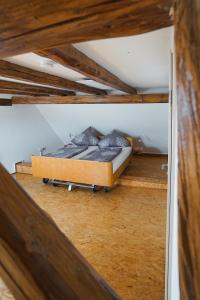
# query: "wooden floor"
121,233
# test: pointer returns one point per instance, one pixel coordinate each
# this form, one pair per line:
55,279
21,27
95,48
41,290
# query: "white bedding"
116,162
119,159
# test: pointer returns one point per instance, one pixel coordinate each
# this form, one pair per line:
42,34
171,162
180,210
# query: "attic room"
89,97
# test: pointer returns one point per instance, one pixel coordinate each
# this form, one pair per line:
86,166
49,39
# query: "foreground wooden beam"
60,22
187,41
5,102
36,260
9,86
10,70
150,98
69,56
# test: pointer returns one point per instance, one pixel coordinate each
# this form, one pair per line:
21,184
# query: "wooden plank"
23,167
31,244
145,170
5,102
17,92
187,40
137,182
70,57
10,70
8,86
150,98
47,24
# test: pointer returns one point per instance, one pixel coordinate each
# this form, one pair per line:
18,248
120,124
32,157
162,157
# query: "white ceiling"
141,61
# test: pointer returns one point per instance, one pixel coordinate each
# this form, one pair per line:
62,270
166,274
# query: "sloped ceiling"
141,61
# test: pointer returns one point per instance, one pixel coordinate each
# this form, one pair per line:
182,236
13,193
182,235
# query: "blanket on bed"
103,155
67,152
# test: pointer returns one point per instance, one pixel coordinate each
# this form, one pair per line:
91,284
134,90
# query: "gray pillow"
114,139
87,138
91,130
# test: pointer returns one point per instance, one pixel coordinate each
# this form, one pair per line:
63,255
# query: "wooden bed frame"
78,171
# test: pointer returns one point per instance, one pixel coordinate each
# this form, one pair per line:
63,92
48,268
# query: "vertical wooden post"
36,260
187,42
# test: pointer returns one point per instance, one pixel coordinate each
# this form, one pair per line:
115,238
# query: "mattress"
117,161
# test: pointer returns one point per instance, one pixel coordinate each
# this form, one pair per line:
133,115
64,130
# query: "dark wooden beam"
150,98
5,102
10,70
37,261
8,86
17,92
70,57
187,43
59,22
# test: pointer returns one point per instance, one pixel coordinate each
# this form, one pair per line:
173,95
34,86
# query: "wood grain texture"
187,40
22,93
31,244
8,86
23,167
71,57
141,183
73,170
46,24
148,98
5,102
10,70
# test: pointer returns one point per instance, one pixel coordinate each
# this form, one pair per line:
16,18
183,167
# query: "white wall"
23,130
149,121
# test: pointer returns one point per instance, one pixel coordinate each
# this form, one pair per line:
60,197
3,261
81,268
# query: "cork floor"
147,167
121,233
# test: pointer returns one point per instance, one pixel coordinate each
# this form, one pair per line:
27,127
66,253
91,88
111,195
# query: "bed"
77,170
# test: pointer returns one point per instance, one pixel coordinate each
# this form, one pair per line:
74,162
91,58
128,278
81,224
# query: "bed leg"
45,180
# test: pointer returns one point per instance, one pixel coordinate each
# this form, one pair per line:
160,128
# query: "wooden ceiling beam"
5,102
70,57
8,86
59,22
150,98
187,45
21,93
10,70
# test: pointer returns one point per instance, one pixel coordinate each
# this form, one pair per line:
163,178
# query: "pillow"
87,138
114,139
91,130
